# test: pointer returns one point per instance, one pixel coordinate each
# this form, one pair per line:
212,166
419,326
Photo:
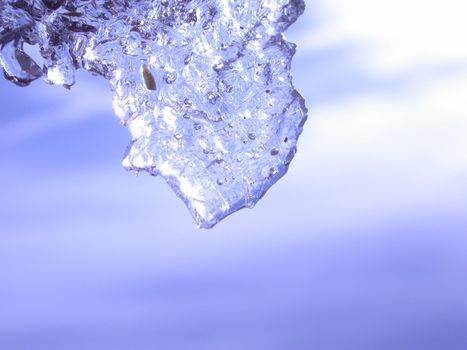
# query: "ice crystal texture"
204,86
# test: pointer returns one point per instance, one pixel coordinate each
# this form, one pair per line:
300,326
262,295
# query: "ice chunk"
203,86
18,67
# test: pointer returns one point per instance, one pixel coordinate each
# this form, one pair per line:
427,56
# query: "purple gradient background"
362,245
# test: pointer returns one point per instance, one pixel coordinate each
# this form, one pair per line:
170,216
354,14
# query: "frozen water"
203,86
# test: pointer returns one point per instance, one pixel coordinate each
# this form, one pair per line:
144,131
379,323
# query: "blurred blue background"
362,245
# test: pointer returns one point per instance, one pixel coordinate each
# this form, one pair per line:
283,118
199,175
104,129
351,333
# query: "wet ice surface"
204,87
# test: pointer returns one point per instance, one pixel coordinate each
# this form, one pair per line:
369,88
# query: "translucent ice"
204,86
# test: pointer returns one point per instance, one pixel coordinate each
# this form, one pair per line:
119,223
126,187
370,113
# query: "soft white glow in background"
401,33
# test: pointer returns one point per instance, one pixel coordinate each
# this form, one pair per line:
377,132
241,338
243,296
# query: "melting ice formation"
203,85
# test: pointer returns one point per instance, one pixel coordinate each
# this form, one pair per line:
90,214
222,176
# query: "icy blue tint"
203,86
